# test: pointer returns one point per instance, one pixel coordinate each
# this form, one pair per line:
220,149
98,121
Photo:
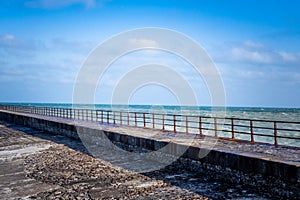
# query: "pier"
257,167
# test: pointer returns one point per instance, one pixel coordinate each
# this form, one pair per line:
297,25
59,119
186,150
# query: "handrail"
252,130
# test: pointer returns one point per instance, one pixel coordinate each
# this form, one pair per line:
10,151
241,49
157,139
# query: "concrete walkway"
14,148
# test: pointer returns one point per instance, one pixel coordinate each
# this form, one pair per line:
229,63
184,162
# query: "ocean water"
264,113
281,115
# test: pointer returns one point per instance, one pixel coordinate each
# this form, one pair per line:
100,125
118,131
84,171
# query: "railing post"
102,116
163,122
232,128
153,120
114,113
144,119
107,117
251,131
174,124
275,134
96,115
128,118
120,118
186,124
216,130
135,120
87,114
200,126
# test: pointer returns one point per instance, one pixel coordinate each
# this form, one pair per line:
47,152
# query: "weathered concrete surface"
35,165
14,147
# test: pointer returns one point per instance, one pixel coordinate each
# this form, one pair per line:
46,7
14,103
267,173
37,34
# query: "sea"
264,113
282,115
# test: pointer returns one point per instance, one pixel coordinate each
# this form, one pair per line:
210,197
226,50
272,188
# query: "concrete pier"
271,168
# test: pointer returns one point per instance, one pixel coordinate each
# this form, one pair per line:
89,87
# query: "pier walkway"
208,177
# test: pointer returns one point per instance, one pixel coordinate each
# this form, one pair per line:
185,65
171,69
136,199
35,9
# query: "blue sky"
254,44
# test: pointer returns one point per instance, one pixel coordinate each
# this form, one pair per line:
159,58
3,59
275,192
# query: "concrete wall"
244,163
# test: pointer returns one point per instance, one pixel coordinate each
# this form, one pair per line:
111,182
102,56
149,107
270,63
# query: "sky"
255,45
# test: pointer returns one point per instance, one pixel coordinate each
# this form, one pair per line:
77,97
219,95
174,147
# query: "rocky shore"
83,177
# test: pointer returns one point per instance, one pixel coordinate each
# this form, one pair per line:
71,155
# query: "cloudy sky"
254,44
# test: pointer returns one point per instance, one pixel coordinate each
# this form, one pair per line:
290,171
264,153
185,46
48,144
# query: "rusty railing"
251,130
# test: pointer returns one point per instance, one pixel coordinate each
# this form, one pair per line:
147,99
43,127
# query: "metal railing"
252,130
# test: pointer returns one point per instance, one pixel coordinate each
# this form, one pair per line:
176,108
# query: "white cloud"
142,43
53,4
296,77
252,44
7,40
289,57
241,54
8,37
254,53
14,46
